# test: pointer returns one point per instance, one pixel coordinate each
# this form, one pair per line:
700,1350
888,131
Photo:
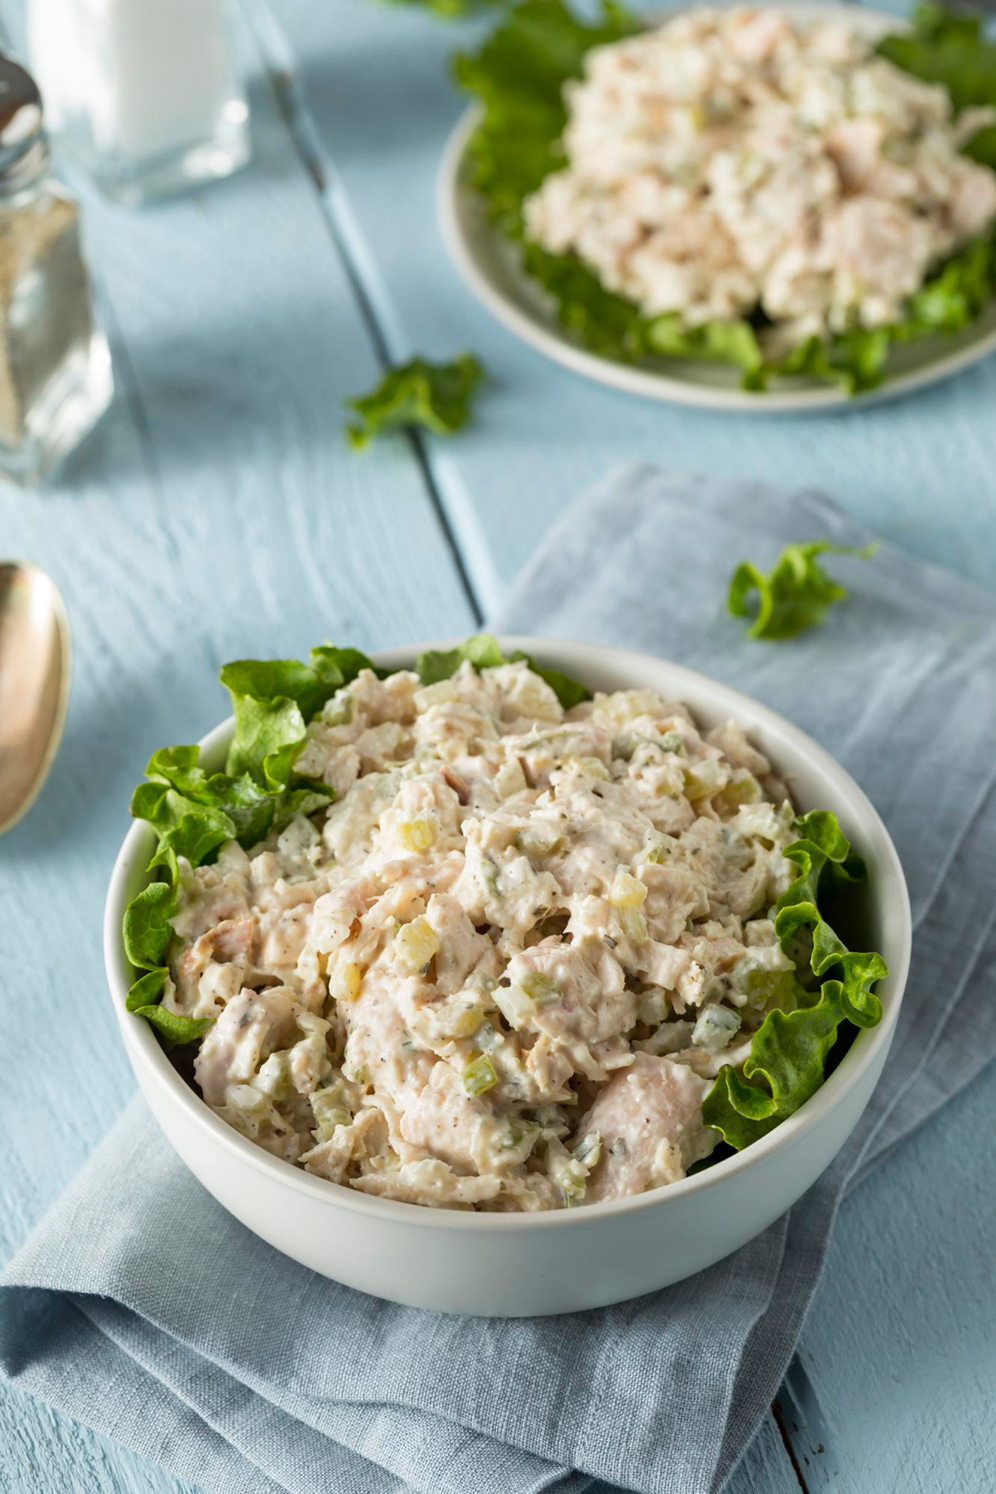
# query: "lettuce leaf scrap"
434,395
518,75
788,1054
794,594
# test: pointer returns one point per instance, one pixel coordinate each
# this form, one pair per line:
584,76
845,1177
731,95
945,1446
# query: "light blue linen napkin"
140,1307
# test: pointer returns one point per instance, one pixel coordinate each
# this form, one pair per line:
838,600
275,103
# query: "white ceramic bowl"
488,263
517,1265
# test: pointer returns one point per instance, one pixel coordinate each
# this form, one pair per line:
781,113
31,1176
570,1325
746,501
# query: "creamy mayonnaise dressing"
504,968
736,160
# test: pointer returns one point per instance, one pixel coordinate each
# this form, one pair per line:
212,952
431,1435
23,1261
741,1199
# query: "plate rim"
454,199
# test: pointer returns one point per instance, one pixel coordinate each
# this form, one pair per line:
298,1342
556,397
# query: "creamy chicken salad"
504,966
736,161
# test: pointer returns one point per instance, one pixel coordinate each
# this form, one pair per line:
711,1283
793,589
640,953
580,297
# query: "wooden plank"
216,513
900,1350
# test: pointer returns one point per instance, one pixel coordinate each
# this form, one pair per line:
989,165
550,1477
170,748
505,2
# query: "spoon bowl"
34,684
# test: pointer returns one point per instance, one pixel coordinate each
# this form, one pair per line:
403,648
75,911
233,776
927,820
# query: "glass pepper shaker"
55,368
145,94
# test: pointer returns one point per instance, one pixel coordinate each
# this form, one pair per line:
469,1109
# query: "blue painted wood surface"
217,512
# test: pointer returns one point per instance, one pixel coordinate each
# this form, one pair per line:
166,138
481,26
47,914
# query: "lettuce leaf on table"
518,76
794,594
437,396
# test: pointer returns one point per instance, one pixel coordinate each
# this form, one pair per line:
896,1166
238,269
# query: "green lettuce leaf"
147,990
518,75
328,661
434,395
147,930
440,664
273,700
483,652
175,1029
787,1059
794,594
951,49
568,691
194,812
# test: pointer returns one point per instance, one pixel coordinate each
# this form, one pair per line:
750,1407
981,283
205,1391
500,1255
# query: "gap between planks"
280,65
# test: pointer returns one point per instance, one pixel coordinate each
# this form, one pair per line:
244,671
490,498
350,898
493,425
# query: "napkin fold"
140,1307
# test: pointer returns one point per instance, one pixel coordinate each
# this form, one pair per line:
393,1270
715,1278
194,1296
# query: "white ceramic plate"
489,264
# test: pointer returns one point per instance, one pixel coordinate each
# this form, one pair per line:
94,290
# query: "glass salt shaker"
55,368
145,94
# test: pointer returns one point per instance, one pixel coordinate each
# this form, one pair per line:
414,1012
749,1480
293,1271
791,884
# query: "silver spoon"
34,684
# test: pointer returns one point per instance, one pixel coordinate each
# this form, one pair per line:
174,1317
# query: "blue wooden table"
218,513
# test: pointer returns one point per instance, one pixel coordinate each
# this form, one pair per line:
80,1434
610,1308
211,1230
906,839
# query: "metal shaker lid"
22,123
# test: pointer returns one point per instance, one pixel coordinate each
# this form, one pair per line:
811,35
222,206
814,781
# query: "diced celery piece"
715,1028
489,875
573,1183
417,835
589,1149
764,976
330,1110
536,843
704,778
660,846
627,891
459,1018
415,944
274,1077
673,741
479,1075
587,767
540,988
347,982
633,924
743,788
519,1136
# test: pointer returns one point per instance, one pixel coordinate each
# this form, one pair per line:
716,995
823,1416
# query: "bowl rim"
144,1048
462,225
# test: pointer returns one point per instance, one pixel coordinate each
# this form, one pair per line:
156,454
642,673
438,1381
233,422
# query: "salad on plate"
467,936
785,192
